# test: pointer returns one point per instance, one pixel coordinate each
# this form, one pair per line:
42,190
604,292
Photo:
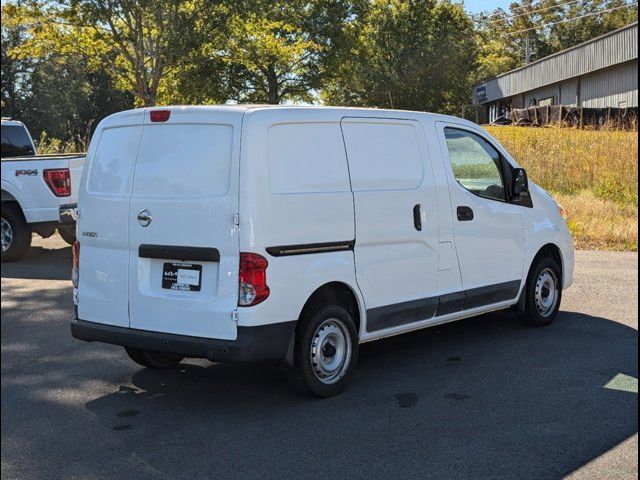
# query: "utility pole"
529,50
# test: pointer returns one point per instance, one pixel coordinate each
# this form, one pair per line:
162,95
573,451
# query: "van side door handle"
417,221
465,214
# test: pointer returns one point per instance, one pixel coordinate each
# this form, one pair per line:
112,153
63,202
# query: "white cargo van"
252,233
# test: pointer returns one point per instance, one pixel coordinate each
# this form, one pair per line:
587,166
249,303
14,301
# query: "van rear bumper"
253,344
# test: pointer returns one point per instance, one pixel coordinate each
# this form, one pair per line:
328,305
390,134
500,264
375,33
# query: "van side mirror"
520,182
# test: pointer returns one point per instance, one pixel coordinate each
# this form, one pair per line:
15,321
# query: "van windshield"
15,141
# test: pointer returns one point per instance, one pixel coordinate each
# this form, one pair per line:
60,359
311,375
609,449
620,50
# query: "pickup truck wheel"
325,353
151,359
68,233
16,234
543,293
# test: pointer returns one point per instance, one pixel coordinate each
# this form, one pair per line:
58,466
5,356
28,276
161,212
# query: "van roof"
324,111
261,106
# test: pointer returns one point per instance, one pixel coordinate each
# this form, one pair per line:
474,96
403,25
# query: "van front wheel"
151,359
543,293
325,353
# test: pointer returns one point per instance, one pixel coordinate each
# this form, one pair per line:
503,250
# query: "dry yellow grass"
46,145
593,174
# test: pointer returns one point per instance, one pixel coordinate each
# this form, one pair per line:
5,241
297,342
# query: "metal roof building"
600,73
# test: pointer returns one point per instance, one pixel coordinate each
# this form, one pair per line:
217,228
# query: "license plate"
181,276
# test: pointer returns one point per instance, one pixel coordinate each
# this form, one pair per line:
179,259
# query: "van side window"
383,155
307,158
476,164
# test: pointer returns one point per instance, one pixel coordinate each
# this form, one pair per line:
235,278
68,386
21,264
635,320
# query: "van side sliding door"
396,221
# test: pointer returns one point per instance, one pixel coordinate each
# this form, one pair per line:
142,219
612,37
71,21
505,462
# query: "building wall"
563,93
569,92
613,87
603,52
541,93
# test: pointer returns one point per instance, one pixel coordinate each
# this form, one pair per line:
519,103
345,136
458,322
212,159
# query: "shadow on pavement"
482,398
41,264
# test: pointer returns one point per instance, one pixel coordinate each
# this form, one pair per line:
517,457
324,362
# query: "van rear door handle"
417,221
465,214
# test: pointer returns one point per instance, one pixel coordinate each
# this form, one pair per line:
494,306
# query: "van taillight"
58,180
75,262
159,115
253,287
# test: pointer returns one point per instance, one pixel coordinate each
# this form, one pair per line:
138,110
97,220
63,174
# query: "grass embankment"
593,174
46,145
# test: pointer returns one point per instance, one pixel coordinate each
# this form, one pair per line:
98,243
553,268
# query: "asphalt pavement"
483,398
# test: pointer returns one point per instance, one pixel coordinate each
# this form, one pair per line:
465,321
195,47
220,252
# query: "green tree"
566,34
497,52
413,55
54,77
14,71
265,51
148,37
276,60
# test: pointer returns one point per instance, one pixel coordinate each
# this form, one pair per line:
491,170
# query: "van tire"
68,233
15,226
543,293
151,359
333,328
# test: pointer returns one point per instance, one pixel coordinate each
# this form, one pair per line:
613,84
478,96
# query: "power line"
511,17
635,4
520,7
508,17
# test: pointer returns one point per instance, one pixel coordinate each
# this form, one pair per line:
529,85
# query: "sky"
476,6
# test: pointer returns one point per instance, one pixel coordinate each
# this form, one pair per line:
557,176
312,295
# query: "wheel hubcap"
547,292
7,235
331,351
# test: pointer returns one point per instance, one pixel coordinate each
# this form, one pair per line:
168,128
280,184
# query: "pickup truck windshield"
15,142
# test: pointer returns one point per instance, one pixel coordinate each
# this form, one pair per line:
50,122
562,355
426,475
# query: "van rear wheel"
325,353
152,359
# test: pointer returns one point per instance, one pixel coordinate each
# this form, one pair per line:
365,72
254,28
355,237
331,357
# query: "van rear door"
184,258
103,226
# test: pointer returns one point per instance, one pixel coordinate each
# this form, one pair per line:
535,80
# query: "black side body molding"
403,313
166,252
479,297
307,248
